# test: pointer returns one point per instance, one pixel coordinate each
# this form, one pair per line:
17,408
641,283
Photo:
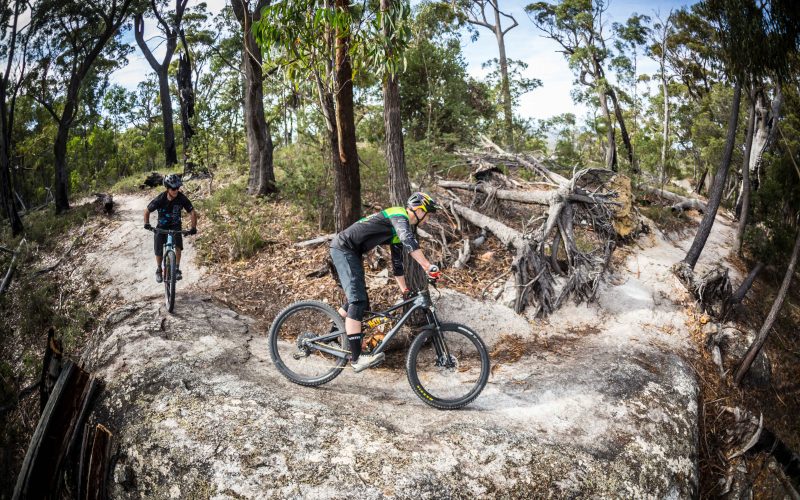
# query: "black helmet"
424,201
173,181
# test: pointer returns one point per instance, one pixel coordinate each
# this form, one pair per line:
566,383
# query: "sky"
524,43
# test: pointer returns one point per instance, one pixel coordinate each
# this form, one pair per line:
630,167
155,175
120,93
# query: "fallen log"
315,241
10,272
529,163
679,202
533,197
41,472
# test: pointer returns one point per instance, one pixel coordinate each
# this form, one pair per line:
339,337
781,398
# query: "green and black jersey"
387,227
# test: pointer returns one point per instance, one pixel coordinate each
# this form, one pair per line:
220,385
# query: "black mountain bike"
447,364
169,264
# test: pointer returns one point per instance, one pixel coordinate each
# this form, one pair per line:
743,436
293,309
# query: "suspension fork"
442,352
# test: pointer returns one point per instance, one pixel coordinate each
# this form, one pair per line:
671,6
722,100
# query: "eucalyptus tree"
169,25
755,41
71,38
439,98
259,135
487,14
577,26
312,41
13,45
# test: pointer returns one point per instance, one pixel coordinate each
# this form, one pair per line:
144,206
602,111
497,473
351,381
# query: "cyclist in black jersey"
392,227
169,205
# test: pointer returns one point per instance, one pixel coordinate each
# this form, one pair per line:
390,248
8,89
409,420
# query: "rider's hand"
192,231
434,272
148,226
406,294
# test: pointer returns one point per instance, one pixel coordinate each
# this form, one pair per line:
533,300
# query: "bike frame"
421,301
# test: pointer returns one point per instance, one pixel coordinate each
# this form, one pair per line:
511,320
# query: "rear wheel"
294,356
450,370
169,280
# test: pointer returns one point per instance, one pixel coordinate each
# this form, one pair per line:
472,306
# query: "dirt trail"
122,259
598,391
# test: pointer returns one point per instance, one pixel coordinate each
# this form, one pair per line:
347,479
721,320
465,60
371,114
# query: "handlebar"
158,230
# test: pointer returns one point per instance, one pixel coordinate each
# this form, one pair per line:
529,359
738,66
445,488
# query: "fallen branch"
315,241
679,202
63,256
10,272
534,197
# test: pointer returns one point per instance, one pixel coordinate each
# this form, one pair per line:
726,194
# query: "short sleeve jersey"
387,227
169,212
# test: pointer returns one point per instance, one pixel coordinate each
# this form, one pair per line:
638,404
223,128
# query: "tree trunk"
399,186
186,95
626,140
60,155
347,180
611,152
6,189
170,154
715,196
765,131
504,83
758,343
665,126
745,193
259,137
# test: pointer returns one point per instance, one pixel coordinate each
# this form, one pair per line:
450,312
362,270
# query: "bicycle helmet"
173,181
424,201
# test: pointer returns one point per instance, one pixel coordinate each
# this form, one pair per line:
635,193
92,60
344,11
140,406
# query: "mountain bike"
447,364
169,264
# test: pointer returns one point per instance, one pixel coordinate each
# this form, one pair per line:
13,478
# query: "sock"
355,346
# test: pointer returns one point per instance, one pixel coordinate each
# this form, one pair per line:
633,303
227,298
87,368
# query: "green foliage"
47,229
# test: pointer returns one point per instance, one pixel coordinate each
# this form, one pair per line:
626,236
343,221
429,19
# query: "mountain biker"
393,227
169,205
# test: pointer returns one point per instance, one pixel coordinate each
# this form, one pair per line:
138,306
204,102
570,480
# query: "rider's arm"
193,219
401,282
421,259
146,216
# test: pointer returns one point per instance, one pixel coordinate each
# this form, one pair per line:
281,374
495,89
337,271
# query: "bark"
664,129
761,338
701,182
6,194
162,70
623,130
399,186
506,87
611,151
6,126
715,196
186,94
534,197
679,201
745,192
259,137
347,180
766,126
740,292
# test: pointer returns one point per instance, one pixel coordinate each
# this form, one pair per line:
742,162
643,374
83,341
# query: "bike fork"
439,345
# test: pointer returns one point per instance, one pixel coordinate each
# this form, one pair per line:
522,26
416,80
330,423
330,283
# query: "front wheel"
448,370
169,280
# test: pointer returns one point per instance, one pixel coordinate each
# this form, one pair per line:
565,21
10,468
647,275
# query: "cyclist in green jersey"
393,227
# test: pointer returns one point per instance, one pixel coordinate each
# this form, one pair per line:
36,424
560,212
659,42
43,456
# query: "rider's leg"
178,257
351,276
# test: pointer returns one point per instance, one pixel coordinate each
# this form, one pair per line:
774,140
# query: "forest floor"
546,372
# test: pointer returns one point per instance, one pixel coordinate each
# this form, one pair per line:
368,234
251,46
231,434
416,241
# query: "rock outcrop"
198,411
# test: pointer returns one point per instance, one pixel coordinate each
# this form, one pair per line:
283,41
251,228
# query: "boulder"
198,411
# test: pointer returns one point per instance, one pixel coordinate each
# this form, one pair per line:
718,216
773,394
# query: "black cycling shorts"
160,240
351,278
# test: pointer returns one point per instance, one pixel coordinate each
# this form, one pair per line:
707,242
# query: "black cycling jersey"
169,212
387,227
